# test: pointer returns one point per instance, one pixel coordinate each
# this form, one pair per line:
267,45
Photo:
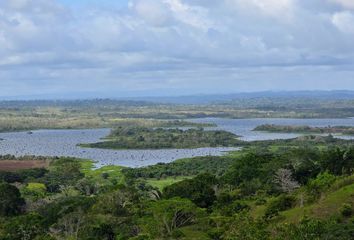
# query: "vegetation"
271,190
344,130
105,113
183,167
282,189
158,138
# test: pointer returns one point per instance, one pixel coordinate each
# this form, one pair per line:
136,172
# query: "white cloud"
155,12
170,41
275,8
344,21
195,16
345,3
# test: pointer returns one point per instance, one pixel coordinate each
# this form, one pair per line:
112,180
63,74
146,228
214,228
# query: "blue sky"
174,47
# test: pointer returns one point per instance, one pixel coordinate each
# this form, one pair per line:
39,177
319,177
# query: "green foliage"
183,167
24,227
240,226
281,203
346,210
11,202
34,190
199,190
231,208
63,172
119,202
253,172
164,182
319,185
312,229
107,175
22,175
166,216
58,209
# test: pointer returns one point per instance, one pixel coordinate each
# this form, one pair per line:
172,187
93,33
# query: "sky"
119,48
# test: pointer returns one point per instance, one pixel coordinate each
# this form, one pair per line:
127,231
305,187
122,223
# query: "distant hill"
188,99
218,98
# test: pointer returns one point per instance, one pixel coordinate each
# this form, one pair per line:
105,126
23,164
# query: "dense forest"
277,190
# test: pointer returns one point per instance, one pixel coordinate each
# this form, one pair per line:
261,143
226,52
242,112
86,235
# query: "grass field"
113,173
161,183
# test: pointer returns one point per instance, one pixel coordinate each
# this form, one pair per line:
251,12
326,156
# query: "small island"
343,130
164,138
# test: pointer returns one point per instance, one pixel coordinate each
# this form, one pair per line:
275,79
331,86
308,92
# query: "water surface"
244,127
64,143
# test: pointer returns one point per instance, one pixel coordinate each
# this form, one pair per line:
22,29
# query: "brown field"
13,165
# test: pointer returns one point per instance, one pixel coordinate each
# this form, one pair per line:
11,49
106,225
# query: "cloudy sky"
174,47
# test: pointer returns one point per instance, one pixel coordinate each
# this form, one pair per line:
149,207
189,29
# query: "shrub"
346,210
260,201
319,185
282,203
105,175
35,190
199,190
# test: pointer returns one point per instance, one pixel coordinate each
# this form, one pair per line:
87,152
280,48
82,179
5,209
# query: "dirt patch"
13,165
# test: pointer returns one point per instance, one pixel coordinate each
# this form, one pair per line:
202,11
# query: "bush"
319,185
199,190
260,201
35,190
282,203
346,210
313,229
105,175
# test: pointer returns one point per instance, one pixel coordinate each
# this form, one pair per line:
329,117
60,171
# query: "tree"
117,203
166,216
64,172
69,226
24,227
199,190
284,179
11,202
248,168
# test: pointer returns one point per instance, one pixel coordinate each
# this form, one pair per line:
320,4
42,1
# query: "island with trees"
162,138
343,130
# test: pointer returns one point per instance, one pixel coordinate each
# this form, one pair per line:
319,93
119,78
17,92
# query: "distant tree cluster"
158,138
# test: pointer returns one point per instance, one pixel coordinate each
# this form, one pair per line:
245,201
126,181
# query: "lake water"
64,142
244,127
